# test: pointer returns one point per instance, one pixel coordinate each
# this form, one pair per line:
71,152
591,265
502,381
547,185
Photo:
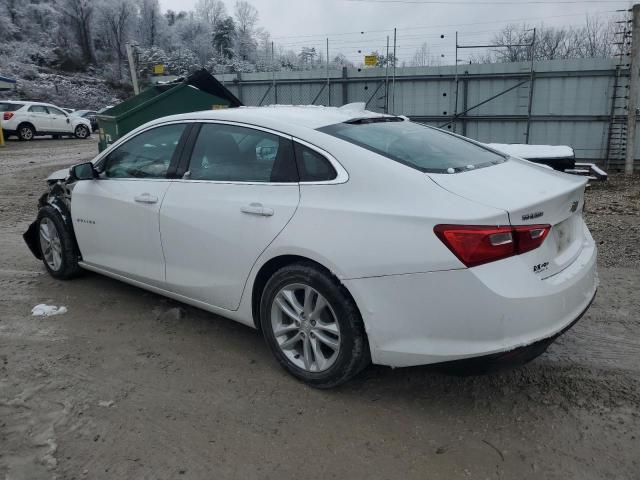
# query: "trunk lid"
530,194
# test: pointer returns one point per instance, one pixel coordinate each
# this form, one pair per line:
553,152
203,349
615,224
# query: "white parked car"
30,119
345,236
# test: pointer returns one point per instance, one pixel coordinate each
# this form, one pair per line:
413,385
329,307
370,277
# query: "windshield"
10,107
424,148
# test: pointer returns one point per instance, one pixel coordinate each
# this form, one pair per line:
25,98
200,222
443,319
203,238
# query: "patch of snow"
44,310
533,152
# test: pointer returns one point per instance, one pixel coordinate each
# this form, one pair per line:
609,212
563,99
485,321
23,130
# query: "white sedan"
345,236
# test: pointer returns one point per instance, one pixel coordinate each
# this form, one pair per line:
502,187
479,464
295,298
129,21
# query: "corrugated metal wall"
571,98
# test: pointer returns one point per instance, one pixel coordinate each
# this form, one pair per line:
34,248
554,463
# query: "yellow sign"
370,60
158,69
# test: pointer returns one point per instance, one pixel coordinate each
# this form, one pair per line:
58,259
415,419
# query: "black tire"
82,132
353,354
68,267
26,132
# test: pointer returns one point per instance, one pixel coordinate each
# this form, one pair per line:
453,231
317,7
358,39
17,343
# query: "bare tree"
116,17
80,15
423,57
510,43
211,12
246,17
592,40
151,22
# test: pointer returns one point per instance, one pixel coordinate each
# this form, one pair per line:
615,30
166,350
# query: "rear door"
116,217
39,116
239,190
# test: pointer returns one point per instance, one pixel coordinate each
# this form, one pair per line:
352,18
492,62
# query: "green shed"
200,91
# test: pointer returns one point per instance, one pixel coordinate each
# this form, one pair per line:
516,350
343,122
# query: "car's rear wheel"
56,245
26,132
313,326
81,132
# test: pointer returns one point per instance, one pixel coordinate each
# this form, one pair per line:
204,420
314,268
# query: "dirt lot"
130,385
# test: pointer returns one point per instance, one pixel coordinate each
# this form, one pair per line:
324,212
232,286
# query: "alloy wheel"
26,133
50,244
81,131
305,327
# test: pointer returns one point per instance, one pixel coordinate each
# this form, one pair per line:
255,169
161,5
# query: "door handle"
146,198
257,209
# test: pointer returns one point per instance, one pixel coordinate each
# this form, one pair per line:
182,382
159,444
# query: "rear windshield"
424,148
10,107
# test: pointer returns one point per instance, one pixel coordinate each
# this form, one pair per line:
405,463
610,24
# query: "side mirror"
84,171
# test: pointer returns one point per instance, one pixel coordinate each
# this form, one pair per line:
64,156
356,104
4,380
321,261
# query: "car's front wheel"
81,132
26,132
57,245
313,326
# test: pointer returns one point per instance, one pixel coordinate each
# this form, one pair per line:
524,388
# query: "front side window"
55,111
146,155
38,109
424,148
230,153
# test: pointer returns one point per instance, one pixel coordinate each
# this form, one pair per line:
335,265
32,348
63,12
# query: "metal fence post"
633,92
345,86
239,79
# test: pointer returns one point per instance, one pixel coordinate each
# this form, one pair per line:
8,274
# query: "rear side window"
10,107
229,153
38,109
424,148
312,166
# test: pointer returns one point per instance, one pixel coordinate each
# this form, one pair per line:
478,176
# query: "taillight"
7,115
478,244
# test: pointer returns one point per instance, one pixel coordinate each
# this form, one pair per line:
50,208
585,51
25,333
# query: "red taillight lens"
7,115
478,244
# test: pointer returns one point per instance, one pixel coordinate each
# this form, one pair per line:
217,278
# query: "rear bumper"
512,358
436,317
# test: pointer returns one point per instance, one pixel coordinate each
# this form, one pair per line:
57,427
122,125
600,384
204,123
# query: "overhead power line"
440,26
494,2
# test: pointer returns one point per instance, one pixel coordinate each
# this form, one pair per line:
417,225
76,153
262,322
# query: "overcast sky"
297,23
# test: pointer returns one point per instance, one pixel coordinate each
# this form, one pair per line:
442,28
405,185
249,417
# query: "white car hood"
58,175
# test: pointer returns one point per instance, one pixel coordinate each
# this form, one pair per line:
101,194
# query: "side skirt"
230,314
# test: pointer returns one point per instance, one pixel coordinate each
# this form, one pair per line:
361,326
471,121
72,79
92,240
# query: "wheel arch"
274,264
26,122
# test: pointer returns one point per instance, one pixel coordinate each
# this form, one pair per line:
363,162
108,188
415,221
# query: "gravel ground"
128,384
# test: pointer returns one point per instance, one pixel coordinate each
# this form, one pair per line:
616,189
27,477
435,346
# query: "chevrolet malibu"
345,236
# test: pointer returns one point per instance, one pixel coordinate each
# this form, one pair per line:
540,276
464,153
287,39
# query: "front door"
239,192
115,217
59,121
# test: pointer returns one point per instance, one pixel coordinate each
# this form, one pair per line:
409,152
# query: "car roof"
26,102
294,116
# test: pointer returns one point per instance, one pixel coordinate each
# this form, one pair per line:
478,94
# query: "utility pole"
328,84
386,80
393,83
273,78
132,69
455,107
532,76
633,91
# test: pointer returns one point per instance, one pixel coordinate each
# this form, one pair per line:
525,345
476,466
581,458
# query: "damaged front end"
58,197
